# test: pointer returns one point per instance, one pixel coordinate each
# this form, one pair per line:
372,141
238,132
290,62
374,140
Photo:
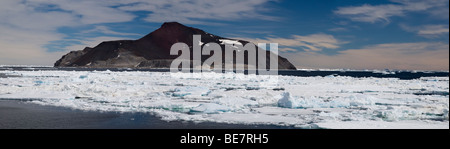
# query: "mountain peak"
172,32
172,24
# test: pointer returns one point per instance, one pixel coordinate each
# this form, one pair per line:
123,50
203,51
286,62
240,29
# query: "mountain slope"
151,51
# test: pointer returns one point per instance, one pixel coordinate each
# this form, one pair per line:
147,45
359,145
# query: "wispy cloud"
383,13
24,46
313,42
405,56
427,31
433,30
24,31
106,30
287,50
197,11
186,11
338,29
86,11
22,15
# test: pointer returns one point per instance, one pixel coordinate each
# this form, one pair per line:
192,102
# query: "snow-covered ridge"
230,42
307,102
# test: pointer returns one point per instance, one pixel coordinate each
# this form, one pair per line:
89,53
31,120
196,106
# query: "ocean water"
299,99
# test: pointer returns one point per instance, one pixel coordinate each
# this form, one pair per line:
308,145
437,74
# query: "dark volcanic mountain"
151,51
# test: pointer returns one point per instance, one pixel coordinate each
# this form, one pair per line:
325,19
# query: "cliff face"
151,51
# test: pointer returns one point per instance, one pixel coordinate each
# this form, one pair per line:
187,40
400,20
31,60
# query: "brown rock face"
151,51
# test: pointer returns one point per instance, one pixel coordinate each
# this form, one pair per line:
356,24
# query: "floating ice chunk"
217,94
257,118
191,91
333,115
331,76
42,83
383,125
176,108
39,82
36,95
361,100
236,102
287,101
384,72
401,113
210,108
283,111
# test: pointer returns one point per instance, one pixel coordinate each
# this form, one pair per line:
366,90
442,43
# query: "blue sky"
353,34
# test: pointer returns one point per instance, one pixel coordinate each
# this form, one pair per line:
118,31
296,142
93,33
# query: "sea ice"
210,108
190,91
305,102
237,103
287,101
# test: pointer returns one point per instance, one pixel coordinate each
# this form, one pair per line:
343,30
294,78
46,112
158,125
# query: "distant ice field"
304,102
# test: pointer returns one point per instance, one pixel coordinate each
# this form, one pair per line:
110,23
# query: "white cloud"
369,13
313,42
19,46
383,13
406,56
106,30
24,16
338,29
287,50
428,31
88,11
196,11
24,31
185,11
